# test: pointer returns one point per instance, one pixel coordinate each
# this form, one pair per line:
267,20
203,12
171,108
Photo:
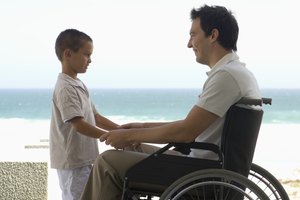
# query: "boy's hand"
116,138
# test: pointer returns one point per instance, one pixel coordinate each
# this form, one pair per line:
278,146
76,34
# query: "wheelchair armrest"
185,147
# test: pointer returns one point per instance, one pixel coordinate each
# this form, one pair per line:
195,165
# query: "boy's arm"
104,123
85,128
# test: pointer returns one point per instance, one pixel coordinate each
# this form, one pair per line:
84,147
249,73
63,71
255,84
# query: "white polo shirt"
68,148
228,81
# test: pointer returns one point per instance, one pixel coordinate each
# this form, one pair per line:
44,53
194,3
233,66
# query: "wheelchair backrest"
239,137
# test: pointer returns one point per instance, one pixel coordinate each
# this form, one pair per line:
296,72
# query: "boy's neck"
66,70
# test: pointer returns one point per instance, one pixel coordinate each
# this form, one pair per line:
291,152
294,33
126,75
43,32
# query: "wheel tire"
220,182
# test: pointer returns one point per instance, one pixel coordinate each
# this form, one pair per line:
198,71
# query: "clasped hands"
121,137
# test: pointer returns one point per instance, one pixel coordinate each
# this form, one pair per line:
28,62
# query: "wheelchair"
233,176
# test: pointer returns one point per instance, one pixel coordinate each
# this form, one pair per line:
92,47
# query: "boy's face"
77,62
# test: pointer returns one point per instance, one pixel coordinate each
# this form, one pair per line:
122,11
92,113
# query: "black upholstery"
239,138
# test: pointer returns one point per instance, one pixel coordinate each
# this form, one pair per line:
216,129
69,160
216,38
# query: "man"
213,38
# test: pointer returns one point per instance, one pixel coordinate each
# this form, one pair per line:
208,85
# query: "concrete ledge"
23,180
36,146
43,144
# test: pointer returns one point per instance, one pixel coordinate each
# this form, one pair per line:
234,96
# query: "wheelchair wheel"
267,182
213,184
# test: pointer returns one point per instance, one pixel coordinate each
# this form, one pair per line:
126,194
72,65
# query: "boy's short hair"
70,39
218,17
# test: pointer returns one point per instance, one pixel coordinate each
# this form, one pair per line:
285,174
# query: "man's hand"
116,138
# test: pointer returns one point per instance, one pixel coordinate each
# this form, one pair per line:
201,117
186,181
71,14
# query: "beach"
276,150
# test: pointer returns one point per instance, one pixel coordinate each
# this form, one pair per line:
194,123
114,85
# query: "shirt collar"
74,82
224,60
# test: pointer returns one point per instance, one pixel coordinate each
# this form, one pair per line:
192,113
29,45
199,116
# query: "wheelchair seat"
154,174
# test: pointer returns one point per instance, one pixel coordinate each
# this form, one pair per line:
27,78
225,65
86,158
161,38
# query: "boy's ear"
67,53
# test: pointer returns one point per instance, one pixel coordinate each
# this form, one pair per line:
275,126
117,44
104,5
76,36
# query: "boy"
75,120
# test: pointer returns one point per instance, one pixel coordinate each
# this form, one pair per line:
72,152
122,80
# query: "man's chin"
199,60
82,71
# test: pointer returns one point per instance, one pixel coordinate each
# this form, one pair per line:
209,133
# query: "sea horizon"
159,104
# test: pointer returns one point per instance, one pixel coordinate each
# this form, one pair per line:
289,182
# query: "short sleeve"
219,93
69,104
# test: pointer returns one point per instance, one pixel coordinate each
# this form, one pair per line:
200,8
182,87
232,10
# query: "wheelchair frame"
228,175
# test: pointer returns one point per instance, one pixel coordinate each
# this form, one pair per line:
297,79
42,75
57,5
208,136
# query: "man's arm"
85,128
143,125
185,130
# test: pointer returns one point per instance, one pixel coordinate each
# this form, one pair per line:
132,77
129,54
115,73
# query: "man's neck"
218,55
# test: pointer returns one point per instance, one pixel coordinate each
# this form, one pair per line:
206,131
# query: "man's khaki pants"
106,179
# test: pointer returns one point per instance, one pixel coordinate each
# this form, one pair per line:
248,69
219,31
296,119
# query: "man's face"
198,42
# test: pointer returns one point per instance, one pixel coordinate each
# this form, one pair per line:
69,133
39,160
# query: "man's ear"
214,34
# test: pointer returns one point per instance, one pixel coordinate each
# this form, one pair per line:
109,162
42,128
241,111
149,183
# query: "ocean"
25,118
141,104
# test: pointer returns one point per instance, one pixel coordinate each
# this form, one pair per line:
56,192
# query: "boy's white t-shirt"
68,148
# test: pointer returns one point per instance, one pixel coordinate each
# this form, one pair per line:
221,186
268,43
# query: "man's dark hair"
70,39
218,17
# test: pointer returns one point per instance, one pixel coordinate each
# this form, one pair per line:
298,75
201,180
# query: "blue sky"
142,43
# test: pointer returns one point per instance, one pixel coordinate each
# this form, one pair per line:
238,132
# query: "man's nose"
189,44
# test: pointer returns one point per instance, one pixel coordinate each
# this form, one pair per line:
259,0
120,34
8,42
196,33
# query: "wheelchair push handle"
267,101
255,102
